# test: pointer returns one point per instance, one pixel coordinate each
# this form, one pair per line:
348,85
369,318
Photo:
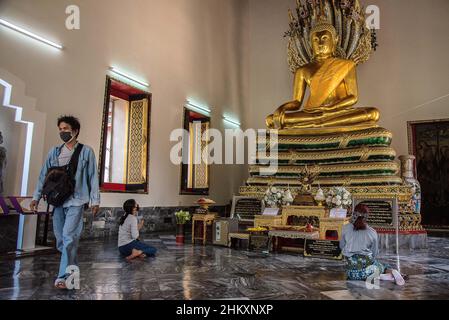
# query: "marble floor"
197,272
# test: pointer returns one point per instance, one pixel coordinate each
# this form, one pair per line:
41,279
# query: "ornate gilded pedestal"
409,221
201,224
361,161
332,225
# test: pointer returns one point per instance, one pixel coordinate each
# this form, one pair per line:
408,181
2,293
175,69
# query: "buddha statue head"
324,40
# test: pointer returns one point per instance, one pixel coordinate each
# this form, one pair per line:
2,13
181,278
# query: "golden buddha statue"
333,90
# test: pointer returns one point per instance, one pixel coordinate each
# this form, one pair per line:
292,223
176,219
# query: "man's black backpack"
59,183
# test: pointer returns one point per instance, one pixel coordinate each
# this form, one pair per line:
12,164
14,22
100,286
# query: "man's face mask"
66,136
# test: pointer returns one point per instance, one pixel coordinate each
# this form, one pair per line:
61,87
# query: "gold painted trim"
126,144
191,153
136,176
332,168
403,192
330,138
206,147
190,174
364,153
102,153
145,139
324,130
326,181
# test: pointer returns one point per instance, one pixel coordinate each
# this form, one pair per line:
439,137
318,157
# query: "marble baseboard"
105,224
157,219
9,228
406,241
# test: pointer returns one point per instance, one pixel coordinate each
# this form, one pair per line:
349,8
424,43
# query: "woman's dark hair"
74,123
360,222
128,207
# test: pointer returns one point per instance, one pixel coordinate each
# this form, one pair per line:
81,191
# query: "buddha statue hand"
275,121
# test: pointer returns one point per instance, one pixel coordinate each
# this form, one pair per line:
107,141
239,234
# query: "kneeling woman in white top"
359,245
128,233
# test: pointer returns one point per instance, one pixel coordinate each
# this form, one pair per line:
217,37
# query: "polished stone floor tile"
189,272
345,295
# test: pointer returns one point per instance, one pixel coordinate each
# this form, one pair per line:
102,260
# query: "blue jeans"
127,249
67,226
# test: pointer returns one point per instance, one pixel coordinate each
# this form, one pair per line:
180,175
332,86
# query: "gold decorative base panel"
403,192
325,130
356,138
331,156
263,182
390,168
408,220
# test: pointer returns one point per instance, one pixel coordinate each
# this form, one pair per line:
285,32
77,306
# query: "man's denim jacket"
86,188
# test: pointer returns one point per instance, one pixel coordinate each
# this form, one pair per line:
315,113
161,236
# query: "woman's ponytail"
128,207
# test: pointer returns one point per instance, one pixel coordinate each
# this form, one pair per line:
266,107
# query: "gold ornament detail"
331,138
364,153
345,19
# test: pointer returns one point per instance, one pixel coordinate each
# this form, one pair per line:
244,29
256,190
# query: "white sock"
398,278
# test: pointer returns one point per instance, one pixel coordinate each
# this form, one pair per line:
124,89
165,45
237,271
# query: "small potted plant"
181,219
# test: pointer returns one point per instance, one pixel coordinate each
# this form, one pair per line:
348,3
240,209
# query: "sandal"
60,284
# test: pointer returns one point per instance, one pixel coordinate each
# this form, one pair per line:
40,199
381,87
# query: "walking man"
68,217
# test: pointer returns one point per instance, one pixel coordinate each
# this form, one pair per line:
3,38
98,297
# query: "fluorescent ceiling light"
197,108
127,76
231,121
30,34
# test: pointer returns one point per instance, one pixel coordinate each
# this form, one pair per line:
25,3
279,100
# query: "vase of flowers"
320,197
277,197
181,219
408,175
339,197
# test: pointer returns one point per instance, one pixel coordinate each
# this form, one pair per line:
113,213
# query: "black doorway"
429,142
